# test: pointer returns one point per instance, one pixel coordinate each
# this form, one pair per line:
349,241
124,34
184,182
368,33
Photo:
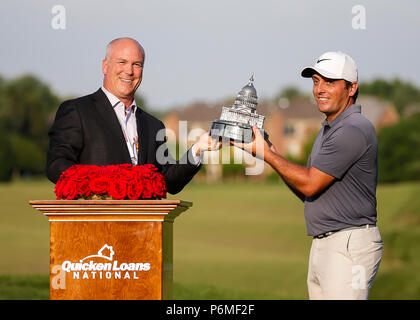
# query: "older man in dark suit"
107,127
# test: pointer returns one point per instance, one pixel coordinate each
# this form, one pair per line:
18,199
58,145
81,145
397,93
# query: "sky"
200,50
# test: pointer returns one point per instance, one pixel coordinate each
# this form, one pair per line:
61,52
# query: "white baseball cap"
333,65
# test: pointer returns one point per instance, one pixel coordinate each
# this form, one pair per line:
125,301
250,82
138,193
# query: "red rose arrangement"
118,182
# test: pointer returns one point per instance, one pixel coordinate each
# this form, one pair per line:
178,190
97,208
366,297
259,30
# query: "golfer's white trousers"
344,264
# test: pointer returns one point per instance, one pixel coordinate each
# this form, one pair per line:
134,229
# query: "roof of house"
302,108
198,111
372,108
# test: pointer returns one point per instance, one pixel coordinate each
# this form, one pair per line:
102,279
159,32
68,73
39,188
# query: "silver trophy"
236,121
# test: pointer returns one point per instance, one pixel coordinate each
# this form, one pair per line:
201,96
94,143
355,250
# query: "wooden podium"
111,249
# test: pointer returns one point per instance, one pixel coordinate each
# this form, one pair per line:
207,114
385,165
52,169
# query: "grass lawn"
238,241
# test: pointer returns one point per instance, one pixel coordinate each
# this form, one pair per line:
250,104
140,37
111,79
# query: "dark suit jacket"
86,130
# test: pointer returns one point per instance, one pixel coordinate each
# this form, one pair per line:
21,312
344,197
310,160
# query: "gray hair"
109,47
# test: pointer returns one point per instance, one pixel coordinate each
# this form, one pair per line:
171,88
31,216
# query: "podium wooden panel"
111,249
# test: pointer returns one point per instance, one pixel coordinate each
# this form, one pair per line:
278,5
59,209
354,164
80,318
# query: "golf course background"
240,240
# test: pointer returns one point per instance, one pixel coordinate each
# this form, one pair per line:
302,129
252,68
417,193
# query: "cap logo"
322,60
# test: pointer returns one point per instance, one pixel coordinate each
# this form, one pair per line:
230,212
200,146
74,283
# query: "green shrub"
399,151
29,157
6,158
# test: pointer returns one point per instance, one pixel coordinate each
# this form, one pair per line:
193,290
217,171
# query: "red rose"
59,188
159,186
111,171
134,189
83,188
138,170
99,185
118,189
70,172
119,181
127,173
94,172
147,189
81,173
70,189
125,166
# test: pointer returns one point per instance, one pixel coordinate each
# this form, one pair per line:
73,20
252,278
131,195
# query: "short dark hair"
348,85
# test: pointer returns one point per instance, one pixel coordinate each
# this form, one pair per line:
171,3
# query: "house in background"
380,113
289,123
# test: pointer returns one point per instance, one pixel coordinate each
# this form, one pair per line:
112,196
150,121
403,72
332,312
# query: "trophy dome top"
247,98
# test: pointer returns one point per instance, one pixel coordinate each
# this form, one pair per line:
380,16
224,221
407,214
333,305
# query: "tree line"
28,106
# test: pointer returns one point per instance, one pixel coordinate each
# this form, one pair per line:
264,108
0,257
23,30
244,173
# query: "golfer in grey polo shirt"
338,185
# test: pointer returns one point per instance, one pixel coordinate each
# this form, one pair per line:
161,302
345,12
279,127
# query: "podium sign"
111,249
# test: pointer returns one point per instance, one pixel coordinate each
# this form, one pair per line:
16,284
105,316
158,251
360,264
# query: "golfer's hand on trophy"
258,147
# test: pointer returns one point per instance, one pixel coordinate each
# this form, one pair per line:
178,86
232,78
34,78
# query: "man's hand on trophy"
207,143
273,148
258,147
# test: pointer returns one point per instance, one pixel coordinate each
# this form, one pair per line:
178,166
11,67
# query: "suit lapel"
143,134
106,112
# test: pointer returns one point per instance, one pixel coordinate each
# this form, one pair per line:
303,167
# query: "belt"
327,234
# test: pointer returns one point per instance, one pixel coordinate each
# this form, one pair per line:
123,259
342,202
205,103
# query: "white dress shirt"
127,119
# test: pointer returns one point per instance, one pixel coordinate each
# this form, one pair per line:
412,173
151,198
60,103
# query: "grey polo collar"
354,108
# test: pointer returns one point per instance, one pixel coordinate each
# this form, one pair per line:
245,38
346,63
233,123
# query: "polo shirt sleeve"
340,151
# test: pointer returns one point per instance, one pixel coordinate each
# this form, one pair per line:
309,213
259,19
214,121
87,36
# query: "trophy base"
232,130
